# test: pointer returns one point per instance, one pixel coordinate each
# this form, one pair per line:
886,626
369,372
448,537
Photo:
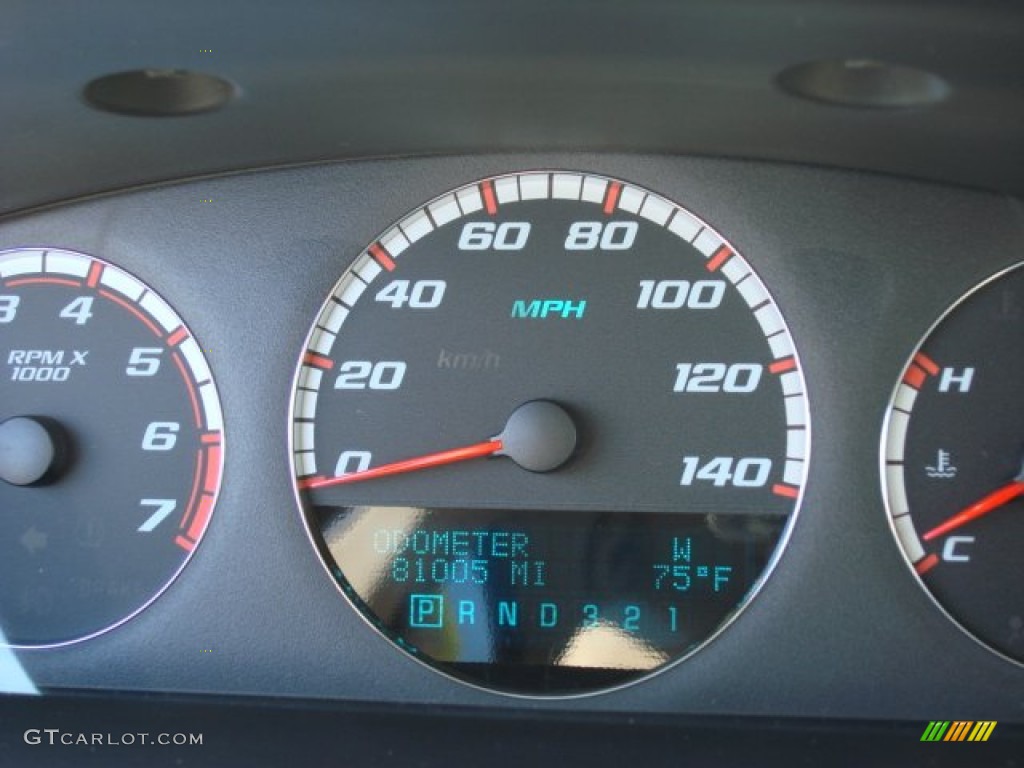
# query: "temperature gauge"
952,462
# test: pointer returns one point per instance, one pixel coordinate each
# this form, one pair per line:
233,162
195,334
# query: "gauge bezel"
326,558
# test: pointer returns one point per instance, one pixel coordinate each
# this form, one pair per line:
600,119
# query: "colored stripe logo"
958,730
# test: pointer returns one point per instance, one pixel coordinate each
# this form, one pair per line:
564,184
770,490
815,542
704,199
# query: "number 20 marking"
362,374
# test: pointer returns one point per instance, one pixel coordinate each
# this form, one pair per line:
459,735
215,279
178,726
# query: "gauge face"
549,433
952,463
110,446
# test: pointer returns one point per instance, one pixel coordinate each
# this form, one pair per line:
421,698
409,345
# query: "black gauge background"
94,569
613,369
984,431
862,266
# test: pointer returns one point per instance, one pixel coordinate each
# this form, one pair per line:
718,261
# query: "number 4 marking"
79,310
164,507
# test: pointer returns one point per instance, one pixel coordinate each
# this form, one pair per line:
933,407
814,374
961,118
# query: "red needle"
539,436
476,451
992,501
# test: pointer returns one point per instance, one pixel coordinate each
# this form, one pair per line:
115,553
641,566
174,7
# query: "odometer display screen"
519,598
549,433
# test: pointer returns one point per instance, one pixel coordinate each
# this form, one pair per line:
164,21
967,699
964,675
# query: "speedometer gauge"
110,446
952,462
549,433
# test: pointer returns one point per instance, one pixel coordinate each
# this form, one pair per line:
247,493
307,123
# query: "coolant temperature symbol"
943,467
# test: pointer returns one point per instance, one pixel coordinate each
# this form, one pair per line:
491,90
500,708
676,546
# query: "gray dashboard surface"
360,78
240,733
860,266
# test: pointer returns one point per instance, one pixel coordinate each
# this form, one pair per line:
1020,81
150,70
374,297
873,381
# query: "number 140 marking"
725,470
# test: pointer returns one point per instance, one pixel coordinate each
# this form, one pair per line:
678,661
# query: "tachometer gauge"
110,446
549,433
952,459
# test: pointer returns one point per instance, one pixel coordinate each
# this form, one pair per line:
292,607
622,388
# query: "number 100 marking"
676,294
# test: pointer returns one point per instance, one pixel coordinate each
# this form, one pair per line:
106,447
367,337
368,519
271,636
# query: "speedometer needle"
992,501
453,456
539,436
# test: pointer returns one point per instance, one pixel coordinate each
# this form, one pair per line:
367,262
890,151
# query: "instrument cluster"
542,425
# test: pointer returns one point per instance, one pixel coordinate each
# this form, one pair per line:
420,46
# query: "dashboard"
761,325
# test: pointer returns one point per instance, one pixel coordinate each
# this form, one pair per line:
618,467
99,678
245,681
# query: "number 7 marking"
164,507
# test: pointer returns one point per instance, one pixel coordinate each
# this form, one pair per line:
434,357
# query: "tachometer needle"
539,436
992,501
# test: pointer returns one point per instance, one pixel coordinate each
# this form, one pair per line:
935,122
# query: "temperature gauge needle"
995,500
539,436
